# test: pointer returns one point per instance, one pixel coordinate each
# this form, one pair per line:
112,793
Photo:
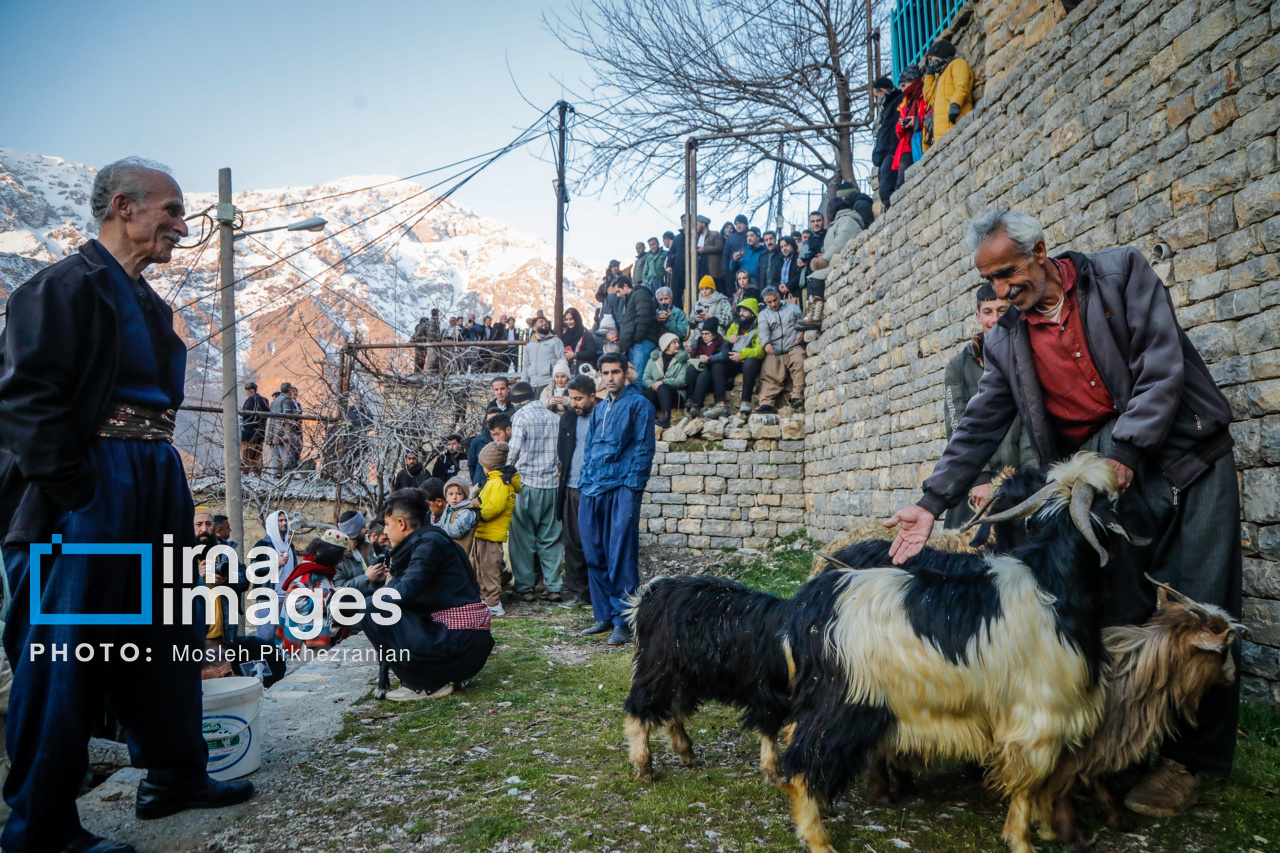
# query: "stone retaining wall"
725,484
1129,122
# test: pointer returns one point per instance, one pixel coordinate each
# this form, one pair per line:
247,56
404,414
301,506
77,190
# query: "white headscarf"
281,543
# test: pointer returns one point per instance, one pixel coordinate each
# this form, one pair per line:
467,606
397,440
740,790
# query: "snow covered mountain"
349,279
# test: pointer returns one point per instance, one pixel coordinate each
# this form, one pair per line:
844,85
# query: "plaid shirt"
534,429
468,617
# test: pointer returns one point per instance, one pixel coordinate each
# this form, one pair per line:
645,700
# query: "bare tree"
664,70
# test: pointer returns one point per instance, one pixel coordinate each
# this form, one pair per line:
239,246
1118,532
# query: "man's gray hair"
1023,229
664,291
771,291
127,177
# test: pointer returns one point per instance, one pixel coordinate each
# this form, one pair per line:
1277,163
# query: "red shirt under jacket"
1077,401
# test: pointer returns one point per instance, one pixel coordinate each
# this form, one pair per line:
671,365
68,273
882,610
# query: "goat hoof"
380,693
645,776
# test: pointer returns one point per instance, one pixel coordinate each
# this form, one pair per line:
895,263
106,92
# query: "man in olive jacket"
1091,357
960,384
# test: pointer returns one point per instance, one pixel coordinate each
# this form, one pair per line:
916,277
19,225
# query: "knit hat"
351,527
910,74
712,325
942,49
707,281
434,488
562,366
493,456
883,83
460,483
336,537
740,218
521,392
666,341
202,510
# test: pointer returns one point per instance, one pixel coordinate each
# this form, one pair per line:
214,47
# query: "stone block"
1262,661
1212,120
1261,495
739,433
735,443
743,487
677,458
670,470
1258,200
1262,577
673,435
687,484
690,526
730,471
793,428
1262,621
715,485
658,485
701,543
662,500
673,540
701,470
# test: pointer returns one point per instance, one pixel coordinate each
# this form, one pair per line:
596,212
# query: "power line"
373,186
521,139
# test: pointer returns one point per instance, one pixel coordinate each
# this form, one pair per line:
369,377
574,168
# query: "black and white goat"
994,658
701,638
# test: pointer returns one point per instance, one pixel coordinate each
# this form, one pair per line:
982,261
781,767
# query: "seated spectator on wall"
845,225
712,303
749,256
707,372
784,353
886,137
745,354
948,87
960,384
670,315
555,397
665,377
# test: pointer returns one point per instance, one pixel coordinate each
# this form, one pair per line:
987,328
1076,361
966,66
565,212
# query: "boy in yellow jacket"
948,87
497,502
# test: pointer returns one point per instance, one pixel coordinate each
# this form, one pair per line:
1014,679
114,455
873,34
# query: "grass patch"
534,751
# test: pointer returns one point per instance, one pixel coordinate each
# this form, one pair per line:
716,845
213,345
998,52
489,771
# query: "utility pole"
558,324
230,415
690,222
779,184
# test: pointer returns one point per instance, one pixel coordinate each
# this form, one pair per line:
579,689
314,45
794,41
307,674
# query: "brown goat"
1158,674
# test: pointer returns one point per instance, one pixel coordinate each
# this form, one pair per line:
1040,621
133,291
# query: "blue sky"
301,93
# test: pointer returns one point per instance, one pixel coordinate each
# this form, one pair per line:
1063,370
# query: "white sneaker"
408,694
497,610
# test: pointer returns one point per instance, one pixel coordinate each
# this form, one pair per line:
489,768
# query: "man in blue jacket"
615,472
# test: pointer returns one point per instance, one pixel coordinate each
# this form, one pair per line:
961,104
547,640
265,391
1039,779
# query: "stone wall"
725,484
1130,122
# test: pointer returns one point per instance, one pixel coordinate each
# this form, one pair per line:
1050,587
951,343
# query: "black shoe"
576,603
664,421
765,409
163,800
797,403
694,411
621,636
87,842
598,628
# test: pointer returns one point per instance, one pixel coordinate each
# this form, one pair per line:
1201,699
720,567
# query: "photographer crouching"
443,624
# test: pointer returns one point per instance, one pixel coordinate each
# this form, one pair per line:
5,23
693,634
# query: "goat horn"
1028,507
833,561
1081,514
1185,601
985,506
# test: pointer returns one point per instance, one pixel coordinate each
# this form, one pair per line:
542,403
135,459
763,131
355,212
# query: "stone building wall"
1130,122
725,484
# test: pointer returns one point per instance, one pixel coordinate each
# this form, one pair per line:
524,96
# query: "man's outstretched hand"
917,524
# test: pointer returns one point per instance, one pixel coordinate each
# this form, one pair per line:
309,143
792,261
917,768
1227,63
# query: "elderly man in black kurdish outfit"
443,624
92,373
1091,357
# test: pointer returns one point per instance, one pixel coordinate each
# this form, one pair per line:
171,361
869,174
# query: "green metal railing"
916,24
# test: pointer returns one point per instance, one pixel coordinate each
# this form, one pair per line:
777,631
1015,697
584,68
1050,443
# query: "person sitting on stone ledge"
712,303
745,354
784,353
665,377
846,224
706,375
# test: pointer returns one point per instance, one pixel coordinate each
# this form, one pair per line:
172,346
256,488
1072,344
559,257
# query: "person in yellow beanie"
497,502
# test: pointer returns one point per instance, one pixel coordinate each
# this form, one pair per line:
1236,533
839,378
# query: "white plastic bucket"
231,726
